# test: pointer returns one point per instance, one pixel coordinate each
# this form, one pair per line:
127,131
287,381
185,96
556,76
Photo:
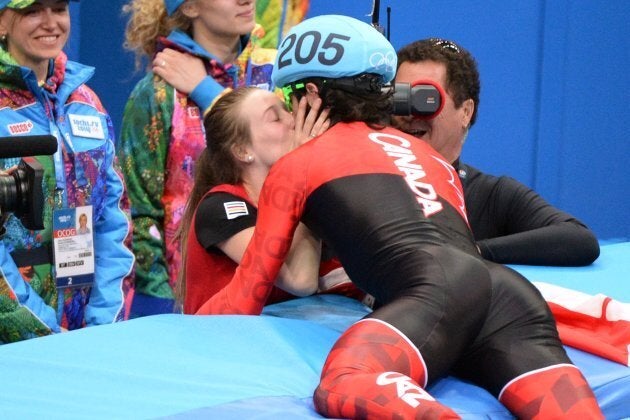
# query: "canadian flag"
596,324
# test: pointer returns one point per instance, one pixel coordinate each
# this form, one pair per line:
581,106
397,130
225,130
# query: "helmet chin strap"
362,83
365,82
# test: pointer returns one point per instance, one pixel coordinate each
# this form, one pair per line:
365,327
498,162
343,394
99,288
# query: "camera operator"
51,280
511,223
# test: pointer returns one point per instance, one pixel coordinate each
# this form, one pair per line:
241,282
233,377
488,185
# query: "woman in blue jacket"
42,93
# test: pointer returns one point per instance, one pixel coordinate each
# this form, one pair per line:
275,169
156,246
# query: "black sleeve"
220,216
512,224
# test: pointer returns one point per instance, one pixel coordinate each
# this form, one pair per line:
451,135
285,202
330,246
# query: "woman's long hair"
148,21
226,128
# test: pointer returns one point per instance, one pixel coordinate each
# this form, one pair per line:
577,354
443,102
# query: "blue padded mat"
610,381
240,367
178,365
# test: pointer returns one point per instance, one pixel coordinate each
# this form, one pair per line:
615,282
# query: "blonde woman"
196,49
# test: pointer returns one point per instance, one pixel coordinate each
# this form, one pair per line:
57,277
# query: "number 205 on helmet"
333,46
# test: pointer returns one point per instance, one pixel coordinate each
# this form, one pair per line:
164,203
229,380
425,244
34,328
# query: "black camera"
21,191
422,99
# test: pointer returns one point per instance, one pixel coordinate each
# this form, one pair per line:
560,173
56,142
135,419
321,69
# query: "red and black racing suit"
392,210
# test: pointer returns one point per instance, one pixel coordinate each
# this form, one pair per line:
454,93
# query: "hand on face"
311,123
182,71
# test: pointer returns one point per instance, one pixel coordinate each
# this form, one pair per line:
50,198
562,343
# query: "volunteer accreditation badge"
73,246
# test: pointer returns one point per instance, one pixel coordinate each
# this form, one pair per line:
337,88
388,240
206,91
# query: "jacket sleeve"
206,93
533,231
113,259
142,152
23,313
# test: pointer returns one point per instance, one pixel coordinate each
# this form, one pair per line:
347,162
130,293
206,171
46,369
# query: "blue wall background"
555,88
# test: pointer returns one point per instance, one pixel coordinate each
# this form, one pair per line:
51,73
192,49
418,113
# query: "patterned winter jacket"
277,17
30,303
162,136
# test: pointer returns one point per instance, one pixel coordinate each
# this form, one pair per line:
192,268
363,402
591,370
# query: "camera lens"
12,188
22,193
421,100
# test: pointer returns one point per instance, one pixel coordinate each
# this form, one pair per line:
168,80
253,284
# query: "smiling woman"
37,32
43,92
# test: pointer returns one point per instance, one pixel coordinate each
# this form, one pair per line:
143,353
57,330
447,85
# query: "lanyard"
248,73
59,129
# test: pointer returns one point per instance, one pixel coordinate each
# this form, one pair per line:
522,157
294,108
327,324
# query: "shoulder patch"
234,209
89,126
23,127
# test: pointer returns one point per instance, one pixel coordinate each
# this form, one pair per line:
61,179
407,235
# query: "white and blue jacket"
82,172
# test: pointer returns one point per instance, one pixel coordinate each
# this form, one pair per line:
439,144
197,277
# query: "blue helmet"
333,46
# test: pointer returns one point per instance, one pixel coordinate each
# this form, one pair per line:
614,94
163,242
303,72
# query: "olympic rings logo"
378,60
